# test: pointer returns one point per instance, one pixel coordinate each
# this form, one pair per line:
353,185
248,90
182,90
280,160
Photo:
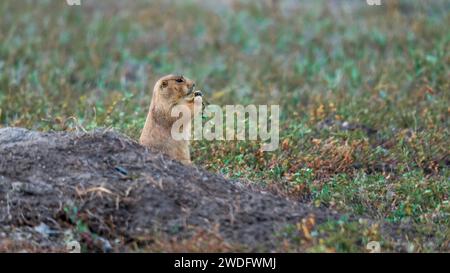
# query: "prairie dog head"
170,91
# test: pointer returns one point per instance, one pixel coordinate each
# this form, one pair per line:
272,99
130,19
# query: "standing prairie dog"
169,91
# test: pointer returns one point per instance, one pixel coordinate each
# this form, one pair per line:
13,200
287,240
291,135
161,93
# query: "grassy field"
364,93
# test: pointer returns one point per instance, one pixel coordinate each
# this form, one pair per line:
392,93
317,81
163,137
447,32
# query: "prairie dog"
168,92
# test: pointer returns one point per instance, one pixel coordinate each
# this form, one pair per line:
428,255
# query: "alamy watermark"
373,247
73,247
235,122
373,2
73,2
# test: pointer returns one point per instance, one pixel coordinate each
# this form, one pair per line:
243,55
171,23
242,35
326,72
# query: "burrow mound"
59,185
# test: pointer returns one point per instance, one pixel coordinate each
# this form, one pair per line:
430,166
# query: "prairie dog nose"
198,93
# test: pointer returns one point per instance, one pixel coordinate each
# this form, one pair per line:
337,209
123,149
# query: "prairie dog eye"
179,80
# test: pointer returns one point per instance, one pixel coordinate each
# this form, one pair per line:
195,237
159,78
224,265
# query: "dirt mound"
107,191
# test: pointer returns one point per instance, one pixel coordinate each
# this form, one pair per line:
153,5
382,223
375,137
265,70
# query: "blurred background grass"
363,90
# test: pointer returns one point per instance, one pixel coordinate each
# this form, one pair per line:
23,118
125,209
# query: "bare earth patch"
111,194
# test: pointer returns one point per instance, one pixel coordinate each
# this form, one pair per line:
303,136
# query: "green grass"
364,95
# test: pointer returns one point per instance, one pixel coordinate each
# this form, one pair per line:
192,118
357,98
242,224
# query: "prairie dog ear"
164,84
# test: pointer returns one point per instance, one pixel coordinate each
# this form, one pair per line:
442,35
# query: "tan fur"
156,134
